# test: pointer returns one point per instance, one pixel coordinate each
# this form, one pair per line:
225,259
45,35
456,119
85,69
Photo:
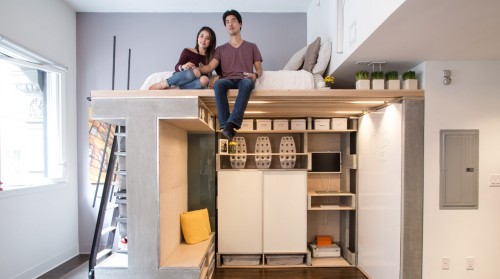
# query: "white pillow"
325,51
296,60
154,78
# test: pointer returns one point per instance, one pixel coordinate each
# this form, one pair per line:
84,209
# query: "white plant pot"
363,84
393,84
378,84
410,84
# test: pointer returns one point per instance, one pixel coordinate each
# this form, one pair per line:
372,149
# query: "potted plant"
329,80
409,80
378,80
392,79
362,80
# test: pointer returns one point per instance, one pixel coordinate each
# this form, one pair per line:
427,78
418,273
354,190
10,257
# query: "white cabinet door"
239,205
379,193
285,211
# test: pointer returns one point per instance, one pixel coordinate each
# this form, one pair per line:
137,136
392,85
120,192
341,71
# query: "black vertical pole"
128,75
114,55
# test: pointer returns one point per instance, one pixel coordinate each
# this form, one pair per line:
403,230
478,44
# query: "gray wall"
156,41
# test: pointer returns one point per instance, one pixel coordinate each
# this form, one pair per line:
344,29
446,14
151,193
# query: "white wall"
39,229
470,102
361,18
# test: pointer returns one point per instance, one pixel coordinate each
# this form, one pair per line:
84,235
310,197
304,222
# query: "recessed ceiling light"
368,102
254,102
254,112
347,112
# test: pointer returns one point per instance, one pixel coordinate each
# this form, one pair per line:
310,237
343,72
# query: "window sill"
10,191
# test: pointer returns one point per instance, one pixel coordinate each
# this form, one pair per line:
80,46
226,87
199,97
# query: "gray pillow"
312,55
325,51
296,60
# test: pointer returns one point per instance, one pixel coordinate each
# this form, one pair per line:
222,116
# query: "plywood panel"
172,166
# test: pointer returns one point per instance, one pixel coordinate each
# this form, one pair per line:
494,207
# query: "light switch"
445,263
494,180
469,263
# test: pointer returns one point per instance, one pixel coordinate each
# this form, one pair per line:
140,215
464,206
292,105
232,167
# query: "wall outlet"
469,263
494,180
445,263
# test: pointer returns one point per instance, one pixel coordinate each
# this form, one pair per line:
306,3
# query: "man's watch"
257,74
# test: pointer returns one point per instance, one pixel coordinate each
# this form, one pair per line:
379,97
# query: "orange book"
323,240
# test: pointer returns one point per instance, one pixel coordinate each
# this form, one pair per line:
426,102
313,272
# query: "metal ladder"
113,201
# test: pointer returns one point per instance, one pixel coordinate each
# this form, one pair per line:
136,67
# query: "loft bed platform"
282,102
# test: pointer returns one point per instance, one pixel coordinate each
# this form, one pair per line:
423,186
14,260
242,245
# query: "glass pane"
30,130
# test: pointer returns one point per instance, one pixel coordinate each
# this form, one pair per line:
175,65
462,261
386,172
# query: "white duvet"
269,80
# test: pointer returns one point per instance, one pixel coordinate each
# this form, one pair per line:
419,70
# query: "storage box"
247,125
285,259
321,124
243,260
339,123
211,122
202,115
324,252
323,240
263,124
280,124
298,124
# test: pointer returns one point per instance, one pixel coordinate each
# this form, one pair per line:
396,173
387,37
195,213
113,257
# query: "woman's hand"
188,65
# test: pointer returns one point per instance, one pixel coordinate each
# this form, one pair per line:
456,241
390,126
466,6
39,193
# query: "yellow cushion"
195,226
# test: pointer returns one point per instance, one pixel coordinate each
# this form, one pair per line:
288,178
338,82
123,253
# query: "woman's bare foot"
159,85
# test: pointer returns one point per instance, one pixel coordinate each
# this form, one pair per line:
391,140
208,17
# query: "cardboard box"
321,124
298,124
280,124
264,124
247,125
339,123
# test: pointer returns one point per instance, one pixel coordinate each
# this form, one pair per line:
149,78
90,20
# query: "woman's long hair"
213,43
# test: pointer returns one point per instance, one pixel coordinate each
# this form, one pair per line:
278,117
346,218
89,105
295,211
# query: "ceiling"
429,30
189,6
420,30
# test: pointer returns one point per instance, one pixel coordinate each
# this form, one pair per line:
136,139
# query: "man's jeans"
221,88
185,80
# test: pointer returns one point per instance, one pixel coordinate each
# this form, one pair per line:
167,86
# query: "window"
32,141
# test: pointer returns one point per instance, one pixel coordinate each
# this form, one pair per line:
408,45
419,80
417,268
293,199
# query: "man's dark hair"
231,12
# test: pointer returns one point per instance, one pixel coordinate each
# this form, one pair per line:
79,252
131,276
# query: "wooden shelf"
285,102
330,201
329,262
291,131
188,256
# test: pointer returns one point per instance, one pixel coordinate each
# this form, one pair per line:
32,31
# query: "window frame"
55,77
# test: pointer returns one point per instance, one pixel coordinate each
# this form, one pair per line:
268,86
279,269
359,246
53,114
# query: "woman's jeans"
185,80
221,88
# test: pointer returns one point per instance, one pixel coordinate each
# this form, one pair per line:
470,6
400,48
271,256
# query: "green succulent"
409,75
392,75
362,75
377,75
